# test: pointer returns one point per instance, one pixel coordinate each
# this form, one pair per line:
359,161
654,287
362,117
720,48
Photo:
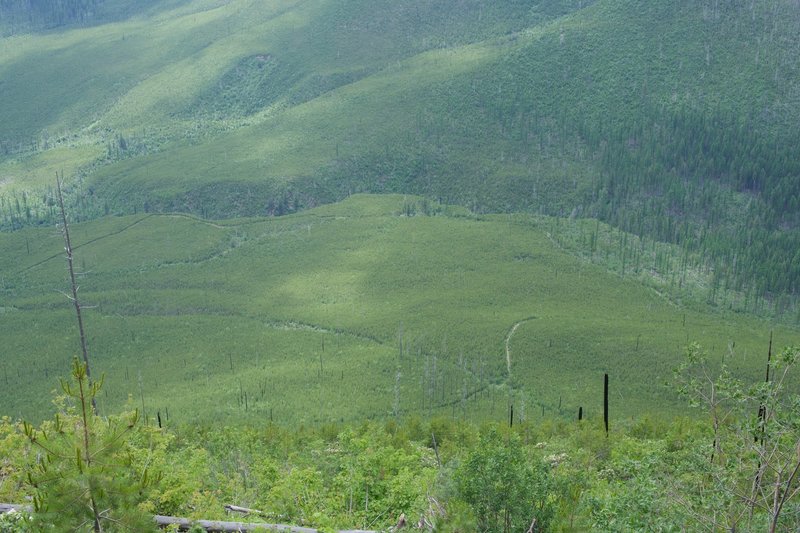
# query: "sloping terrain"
349,311
672,120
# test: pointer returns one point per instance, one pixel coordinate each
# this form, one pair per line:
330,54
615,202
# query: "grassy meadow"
368,308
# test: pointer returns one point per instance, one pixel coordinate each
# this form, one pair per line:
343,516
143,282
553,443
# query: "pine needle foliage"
83,475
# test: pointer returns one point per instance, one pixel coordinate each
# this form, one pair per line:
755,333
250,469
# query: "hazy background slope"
673,120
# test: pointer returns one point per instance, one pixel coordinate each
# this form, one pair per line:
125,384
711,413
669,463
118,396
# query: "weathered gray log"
7,507
185,524
243,510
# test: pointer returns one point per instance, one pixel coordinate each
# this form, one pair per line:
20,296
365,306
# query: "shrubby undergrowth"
738,469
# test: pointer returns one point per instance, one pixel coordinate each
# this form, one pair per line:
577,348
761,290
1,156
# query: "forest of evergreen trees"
23,15
711,184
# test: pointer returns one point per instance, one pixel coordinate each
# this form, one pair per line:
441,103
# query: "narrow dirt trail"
508,342
197,219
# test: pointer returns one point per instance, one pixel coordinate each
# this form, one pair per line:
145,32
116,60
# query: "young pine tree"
83,476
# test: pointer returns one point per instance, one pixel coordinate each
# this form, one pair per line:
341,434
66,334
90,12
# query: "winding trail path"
508,341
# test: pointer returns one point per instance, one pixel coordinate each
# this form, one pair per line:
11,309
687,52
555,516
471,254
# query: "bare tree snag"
74,285
605,402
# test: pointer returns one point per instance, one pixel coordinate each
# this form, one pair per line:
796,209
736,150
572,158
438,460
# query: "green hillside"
332,245
675,121
346,312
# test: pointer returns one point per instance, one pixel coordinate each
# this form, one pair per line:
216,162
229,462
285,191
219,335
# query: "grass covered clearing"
349,311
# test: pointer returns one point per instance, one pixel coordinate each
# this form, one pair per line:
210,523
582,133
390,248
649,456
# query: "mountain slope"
673,120
347,311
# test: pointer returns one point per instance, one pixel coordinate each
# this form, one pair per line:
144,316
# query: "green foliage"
182,486
653,475
748,478
587,108
460,519
83,473
15,522
12,459
361,477
306,319
300,497
377,479
507,491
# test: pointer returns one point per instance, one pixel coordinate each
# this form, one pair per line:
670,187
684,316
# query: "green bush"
506,488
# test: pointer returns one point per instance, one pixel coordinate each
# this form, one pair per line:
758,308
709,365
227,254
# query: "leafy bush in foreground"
740,471
506,490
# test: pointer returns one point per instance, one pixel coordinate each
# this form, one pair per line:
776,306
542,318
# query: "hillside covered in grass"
351,261
675,121
347,312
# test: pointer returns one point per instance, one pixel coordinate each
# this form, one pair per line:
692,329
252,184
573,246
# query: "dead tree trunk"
74,286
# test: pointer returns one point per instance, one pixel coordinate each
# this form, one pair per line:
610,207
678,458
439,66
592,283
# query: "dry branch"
184,524
8,507
243,510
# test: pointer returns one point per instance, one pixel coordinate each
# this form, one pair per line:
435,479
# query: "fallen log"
217,526
243,510
185,524
8,507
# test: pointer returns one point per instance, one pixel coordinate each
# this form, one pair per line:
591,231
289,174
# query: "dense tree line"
20,15
711,183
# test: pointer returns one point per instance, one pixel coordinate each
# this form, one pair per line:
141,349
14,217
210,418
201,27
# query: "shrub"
506,488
